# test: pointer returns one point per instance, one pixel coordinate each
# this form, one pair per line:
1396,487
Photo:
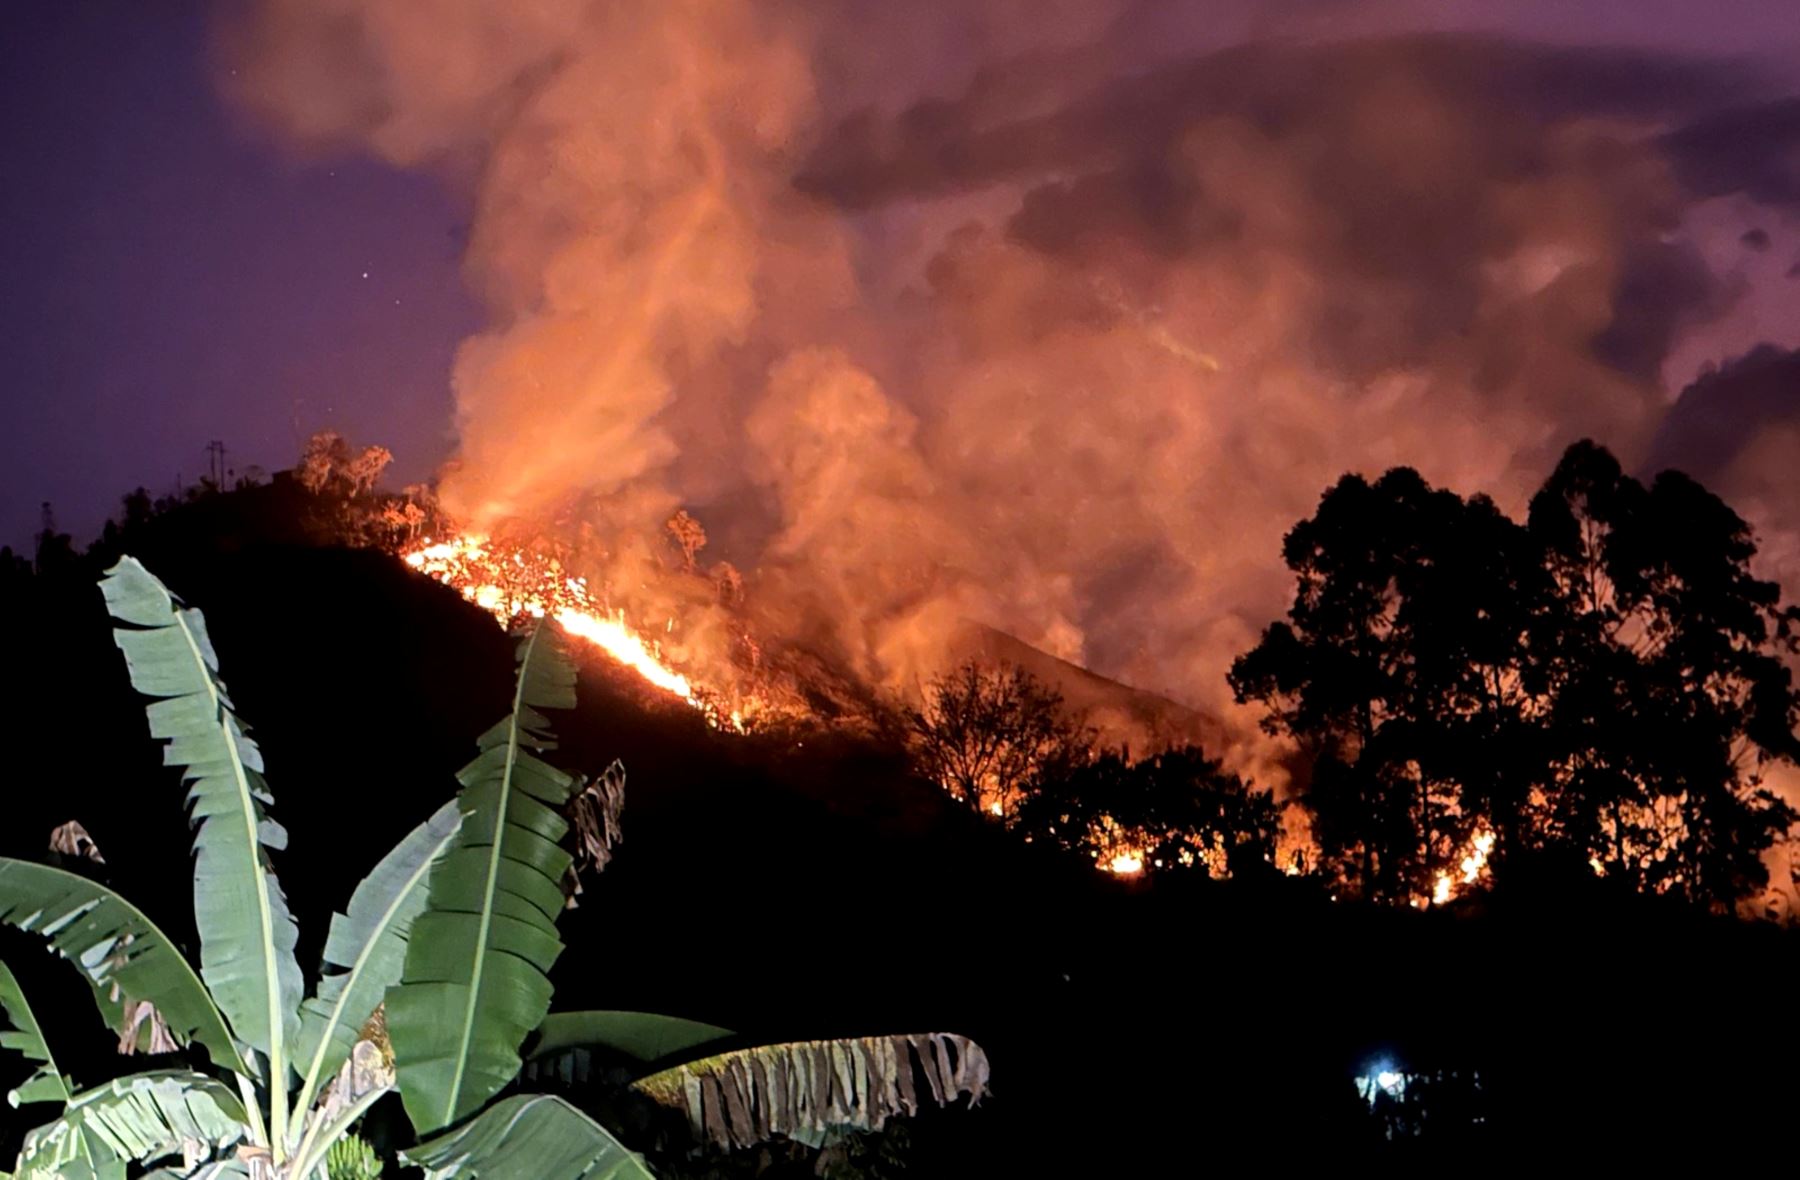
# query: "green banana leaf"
46,1083
528,1137
219,1170
367,945
475,982
566,1041
811,1091
144,1117
120,952
246,934
76,1169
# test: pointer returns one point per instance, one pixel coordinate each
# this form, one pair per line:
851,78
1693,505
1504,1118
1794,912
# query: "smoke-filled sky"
1051,314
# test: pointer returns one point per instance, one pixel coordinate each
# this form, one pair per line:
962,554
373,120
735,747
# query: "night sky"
174,276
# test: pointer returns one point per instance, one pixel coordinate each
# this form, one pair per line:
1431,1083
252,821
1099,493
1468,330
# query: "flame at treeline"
511,583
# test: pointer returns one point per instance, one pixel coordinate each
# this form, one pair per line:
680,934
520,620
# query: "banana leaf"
367,945
75,1169
811,1091
566,1041
528,1137
144,1118
246,934
120,952
46,1083
475,983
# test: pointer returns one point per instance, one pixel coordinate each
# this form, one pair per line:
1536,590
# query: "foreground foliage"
281,1076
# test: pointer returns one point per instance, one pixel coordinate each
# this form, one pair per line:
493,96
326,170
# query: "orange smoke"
998,310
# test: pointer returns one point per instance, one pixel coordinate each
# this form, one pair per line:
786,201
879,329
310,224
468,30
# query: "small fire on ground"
1124,863
510,583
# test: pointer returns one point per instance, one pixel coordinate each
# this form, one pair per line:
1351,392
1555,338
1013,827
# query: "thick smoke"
1038,314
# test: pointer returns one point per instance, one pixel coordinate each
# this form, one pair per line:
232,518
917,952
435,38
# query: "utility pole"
215,463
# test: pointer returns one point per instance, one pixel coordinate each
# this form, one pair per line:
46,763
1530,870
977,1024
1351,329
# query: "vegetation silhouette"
1603,684
1172,810
802,884
434,975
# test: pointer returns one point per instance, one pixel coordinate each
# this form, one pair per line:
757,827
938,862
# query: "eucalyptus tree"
435,975
1606,683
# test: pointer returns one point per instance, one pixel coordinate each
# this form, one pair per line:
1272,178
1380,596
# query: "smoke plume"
1050,315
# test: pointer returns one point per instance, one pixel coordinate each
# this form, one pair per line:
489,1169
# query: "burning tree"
329,463
1601,685
985,734
689,537
1175,809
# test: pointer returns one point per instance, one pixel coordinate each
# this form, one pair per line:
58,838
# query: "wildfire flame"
508,583
1470,870
1119,852
1124,863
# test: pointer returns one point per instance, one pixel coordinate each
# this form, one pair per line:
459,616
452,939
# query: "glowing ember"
510,583
1471,868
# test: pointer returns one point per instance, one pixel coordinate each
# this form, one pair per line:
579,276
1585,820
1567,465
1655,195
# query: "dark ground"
800,890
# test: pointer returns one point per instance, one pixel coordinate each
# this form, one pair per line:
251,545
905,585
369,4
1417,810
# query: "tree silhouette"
1672,689
1603,682
984,734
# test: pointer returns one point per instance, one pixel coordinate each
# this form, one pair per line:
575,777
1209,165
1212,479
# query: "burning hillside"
1059,328
511,582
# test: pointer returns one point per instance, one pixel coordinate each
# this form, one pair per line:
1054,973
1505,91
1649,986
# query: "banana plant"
280,1081
435,976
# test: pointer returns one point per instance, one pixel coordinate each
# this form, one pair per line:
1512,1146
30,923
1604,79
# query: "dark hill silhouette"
807,884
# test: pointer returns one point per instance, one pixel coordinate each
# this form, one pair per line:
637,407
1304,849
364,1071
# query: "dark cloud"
945,145
1406,140
1725,410
1664,287
1749,149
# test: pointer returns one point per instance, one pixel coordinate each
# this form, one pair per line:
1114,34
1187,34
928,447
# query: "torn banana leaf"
247,935
125,958
476,976
810,1091
567,1041
24,1037
529,1137
144,1118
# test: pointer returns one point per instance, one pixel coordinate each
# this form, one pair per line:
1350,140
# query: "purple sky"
171,278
